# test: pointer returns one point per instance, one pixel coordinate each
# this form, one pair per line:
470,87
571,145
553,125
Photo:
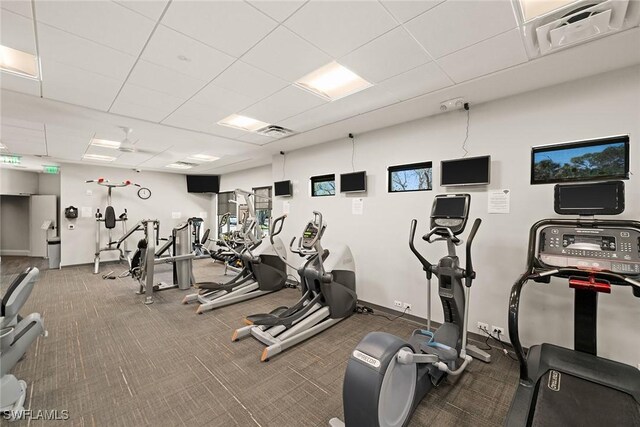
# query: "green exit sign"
10,160
51,169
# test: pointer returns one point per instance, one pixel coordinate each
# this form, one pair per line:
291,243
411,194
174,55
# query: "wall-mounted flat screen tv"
353,182
203,183
467,171
593,198
592,160
282,188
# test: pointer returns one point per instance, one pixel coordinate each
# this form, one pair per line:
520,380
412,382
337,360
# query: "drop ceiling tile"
278,10
185,55
165,80
390,54
144,103
286,55
455,25
150,8
82,53
255,138
19,84
249,81
338,27
201,118
67,146
134,159
17,32
423,79
404,10
75,86
24,124
288,102
101,21
494,54
230,26
21,7
222,99
14,133
27,148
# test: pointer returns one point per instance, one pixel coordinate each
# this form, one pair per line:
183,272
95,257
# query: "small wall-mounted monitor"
598,198
592,160
282,188
353,182
203,183
467,171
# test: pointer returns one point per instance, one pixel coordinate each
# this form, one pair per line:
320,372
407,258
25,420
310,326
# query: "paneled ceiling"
170,70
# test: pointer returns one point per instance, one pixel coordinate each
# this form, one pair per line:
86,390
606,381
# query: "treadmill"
559,386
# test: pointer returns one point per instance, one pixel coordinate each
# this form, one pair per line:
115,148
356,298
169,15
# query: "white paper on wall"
357,206
176,215
499,201
87,212
286,207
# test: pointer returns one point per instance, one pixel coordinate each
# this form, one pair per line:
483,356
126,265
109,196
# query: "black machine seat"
110,217
576,388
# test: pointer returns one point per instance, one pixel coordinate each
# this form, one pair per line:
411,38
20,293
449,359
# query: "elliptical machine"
386,376
328,281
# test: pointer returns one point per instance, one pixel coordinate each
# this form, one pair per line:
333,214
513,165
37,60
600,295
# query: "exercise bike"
386,376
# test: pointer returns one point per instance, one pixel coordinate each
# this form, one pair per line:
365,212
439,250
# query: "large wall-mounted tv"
591,160
467,171
282,188
203,183
353,182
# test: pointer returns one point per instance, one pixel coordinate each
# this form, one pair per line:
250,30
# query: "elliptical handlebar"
436,230
469,273
426,265
276,227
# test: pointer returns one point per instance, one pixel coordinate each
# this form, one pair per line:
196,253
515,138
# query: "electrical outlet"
71,226
498,330
397,303
406,306
483,326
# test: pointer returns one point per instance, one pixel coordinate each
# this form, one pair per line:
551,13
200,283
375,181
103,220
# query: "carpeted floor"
111,360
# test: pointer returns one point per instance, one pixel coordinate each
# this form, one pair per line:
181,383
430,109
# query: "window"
263,207
413,177
226,206
323,185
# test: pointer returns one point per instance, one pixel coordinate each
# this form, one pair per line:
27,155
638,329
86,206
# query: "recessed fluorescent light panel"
180,165
18,62
98,157
105,143
203,158
333,81
533,8
243,123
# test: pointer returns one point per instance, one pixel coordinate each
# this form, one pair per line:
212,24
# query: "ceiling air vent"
187,164
578,22
274,131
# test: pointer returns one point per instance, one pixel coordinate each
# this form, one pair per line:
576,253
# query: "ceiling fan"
128,146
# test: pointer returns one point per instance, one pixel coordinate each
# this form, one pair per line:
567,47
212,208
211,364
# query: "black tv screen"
599,198
353,182
282,188
593,160
467,171
203,183
451,207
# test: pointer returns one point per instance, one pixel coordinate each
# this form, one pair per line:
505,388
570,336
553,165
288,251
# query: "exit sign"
10,160
51,169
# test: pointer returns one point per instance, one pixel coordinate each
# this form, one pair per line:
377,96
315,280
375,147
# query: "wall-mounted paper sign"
499,201
87,212
357,206
286,207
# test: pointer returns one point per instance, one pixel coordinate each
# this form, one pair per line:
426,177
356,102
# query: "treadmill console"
612,249
309,235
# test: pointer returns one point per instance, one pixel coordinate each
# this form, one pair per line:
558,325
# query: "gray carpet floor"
111,360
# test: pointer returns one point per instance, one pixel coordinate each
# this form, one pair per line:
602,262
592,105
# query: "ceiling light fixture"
179,165
98,157
105,143
203,158
533,8
18,62
333,81
245,123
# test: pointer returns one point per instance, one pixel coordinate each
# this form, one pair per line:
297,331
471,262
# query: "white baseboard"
12,252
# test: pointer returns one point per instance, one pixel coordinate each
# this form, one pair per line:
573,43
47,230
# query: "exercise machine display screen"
450,207
611,249
309,235
602,198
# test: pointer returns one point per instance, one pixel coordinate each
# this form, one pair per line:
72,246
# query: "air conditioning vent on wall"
578,22
274,131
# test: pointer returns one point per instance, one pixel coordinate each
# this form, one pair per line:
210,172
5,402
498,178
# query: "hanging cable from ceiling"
353,151
466,137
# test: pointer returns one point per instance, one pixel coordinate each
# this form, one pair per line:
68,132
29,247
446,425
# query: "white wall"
49,184
14,225
247,179
169,195
506,129
18,182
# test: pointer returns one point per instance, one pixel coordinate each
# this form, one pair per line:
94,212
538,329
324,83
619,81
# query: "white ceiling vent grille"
578,22
274,131
186,164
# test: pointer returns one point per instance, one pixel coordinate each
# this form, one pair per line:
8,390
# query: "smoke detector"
274,131
452,104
